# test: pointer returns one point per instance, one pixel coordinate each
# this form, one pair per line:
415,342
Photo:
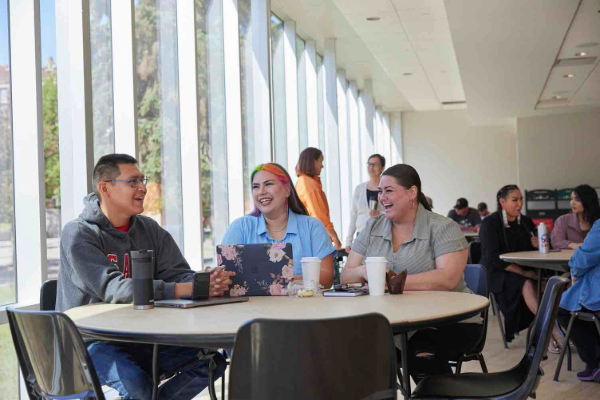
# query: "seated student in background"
433,251
364,194
483,210
584,296
310,191
464,215
94,267
570,229
507,231
280,217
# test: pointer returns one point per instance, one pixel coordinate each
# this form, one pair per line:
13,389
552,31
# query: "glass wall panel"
213,139
278,90
51,147
102,82
301,64
7,211
9,378
250,159
158,112
321,108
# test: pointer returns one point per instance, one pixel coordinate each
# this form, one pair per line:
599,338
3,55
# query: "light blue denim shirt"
585,266
306,234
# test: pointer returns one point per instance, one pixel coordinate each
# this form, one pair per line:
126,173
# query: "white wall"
457,159
559,151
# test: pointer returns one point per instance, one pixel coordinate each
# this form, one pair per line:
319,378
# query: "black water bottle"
143,279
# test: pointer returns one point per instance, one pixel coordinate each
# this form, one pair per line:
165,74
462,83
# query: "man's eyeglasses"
371,165
133,182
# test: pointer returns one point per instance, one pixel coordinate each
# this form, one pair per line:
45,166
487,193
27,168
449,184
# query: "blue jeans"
127,368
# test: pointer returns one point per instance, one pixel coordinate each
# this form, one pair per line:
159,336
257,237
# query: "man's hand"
219,281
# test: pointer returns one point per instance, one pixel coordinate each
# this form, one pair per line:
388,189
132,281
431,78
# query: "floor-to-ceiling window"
301,65
8,367
158,112
212,129
102,81
278,90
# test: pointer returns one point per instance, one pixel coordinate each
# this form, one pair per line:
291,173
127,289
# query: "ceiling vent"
552,103
574,62
454,105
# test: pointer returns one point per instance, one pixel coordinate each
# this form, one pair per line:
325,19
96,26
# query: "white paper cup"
376,268
311,272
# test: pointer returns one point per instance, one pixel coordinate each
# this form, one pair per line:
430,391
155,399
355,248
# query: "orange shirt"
311,193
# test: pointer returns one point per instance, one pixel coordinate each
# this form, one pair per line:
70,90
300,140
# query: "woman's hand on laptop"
219,281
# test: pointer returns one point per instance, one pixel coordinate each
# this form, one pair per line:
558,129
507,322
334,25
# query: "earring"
505,219
519,219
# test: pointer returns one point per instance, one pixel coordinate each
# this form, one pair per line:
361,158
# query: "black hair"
589,199
481,206
306,161
407,177
107,168
381,159
502,193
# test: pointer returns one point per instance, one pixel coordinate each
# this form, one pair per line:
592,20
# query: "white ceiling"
506,58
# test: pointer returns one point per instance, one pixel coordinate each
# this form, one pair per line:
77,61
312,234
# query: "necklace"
273,230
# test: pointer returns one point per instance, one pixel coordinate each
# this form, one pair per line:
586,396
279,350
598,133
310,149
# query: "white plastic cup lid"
310,259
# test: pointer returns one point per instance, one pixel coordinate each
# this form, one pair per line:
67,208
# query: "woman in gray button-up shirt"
430,247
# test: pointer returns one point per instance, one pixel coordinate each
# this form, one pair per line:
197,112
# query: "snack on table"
305,293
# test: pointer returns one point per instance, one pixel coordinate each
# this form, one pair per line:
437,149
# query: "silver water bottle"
142,268
543,242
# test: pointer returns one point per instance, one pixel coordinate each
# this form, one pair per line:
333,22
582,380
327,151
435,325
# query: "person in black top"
507,231
465,216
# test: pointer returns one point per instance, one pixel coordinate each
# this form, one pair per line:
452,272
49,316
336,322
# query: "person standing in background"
570,229
310,190
364,201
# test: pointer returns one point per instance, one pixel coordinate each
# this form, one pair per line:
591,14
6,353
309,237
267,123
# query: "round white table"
216,326
554,260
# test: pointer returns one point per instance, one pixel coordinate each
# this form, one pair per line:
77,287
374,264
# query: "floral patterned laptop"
260,269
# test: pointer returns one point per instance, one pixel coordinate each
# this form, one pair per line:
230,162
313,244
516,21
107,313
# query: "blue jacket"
585,266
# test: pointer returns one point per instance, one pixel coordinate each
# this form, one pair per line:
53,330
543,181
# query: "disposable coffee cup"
372,204
311,272
376,269
143,279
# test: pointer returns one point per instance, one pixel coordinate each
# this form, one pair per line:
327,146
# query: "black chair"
585,316
476,279
519,382
474,252
48,295
52,356
350,358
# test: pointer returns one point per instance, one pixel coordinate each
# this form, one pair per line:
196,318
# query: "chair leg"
564,349
155,372
500,324
482,363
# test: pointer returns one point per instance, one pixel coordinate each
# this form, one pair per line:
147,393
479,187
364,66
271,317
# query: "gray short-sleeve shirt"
434,235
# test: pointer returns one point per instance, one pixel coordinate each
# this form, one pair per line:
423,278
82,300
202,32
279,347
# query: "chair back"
474,252
476,280
351,358
48,295
52,356
537,347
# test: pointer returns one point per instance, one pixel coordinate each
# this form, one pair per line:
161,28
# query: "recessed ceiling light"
557,97
582,54
373,19
569,76
587,44
407,74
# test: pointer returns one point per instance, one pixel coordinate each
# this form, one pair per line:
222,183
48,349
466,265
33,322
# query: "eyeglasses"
133,182
371,165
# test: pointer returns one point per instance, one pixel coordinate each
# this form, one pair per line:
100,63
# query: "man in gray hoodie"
95,254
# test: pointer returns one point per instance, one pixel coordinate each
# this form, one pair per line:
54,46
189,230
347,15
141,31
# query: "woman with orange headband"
280,217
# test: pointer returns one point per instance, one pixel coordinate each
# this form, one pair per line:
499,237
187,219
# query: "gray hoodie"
93,255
